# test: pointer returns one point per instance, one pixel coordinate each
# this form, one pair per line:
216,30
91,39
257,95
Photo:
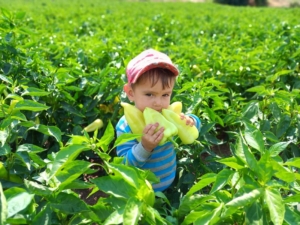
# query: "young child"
151,76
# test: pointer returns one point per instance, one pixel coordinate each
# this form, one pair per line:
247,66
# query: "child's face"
143,95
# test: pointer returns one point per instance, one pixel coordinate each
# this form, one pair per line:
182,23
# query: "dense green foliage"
62,65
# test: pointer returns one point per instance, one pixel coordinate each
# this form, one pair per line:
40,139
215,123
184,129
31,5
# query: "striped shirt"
161,161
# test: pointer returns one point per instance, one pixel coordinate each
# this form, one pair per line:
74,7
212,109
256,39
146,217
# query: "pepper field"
62,66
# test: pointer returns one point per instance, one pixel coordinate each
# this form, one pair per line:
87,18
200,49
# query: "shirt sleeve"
197,121
133,151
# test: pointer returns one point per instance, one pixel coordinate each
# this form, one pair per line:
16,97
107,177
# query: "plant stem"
173,142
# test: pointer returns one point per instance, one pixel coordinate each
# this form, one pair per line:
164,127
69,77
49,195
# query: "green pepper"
134,117
186,133
152,116
97,124
176,107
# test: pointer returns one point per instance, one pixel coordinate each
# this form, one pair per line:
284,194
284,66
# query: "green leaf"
190,202
3,136
3,206
6,79
265,169
232,162
79,184
163,196
38,189
254,138
69,204
125,138
116,186
293,162
30,148
210,217
152,216
274,77
204,214
205,128
270,136
282,173
71,109
213,116
107,137
245,199
254,214
251,110
48,130
291,217
204,181
132,211
245,154
116,217
65,155
257,89
275,205
293,198
221,180
72,170
24,159
30,106
78,140
283,125
17,115
128,173
18,202
44,217
32,91
37,159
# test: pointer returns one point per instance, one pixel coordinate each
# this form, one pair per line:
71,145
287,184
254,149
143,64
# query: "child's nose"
157,102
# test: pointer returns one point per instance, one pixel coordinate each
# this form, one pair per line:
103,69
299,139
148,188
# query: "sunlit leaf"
293,162
125,138
18,202
64,156
221,180
246,198
43,217
204,181
275,205
31,106
132,212
254,138
3,206
32,91
232,162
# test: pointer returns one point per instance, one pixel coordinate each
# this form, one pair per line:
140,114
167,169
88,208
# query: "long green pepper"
134,117
151,116
187,134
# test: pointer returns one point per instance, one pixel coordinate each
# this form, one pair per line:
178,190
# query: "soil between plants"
84,193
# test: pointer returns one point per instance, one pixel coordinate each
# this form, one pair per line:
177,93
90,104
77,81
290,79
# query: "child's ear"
129,92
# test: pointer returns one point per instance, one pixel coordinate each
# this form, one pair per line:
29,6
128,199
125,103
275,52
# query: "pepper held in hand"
176,107
186,133
134,117
151,116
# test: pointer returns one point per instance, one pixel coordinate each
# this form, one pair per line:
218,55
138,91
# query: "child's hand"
189,120
151,138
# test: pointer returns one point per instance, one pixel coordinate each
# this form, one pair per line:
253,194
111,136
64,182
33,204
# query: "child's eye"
166,95
149,95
